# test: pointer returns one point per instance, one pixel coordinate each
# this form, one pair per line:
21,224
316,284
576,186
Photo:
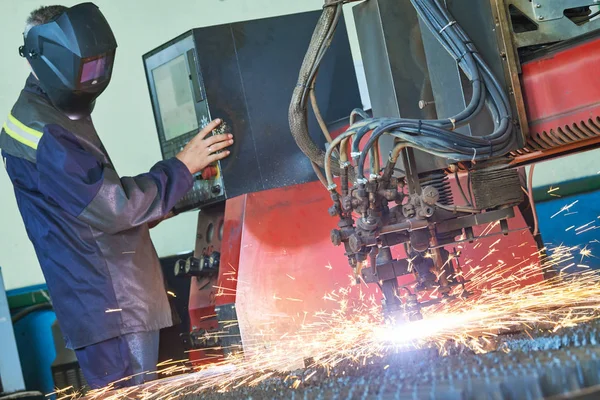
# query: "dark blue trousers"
130,359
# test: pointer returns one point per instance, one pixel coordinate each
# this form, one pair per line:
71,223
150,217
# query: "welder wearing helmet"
90,227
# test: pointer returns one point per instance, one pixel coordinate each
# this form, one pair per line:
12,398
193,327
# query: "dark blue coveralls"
90,231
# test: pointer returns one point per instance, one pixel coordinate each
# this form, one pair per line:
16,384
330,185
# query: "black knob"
355,243
214,260
205,266
333,211
179,268
193,266
336,237
216,189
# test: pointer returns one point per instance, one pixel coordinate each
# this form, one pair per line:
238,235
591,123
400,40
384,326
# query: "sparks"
565,208
585,252
353,331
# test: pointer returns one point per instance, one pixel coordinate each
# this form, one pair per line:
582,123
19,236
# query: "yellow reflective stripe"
21,132
24,127
19,138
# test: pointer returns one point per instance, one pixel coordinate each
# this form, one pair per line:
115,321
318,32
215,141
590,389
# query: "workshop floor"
538,365
543,367
550,364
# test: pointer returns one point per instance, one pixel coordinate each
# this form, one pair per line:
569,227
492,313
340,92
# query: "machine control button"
202,195
209,172
216,189
204,267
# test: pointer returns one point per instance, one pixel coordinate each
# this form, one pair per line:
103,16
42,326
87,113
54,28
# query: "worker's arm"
154,224
82,185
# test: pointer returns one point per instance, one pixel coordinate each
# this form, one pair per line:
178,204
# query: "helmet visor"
95,69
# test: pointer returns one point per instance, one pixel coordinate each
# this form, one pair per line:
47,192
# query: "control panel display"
175,99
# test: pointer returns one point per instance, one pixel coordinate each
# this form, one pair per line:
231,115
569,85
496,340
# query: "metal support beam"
552,25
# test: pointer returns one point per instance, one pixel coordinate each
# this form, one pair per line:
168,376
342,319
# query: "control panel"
181,111
245,73
208,184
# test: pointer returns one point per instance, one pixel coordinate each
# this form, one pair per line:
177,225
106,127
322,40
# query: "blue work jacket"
89,227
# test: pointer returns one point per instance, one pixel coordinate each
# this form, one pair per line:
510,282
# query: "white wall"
565,169
123,115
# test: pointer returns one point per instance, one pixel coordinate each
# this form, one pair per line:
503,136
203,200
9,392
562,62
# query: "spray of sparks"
354,331
491,300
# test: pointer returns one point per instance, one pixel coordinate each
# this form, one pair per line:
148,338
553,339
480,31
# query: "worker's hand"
200,151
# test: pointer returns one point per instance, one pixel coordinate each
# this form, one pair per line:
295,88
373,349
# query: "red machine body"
278,262
203,290
562,98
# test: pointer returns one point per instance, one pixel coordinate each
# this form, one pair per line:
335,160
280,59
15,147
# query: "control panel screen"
175,98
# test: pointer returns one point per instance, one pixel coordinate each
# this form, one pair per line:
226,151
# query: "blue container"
36,349
573,221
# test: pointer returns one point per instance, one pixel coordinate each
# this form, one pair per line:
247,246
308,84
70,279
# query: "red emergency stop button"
209,172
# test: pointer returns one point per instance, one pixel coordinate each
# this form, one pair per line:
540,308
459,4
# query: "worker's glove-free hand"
200,151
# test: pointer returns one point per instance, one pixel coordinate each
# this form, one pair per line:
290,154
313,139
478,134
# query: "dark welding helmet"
72,56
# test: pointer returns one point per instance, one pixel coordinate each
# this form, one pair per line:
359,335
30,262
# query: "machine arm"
381,209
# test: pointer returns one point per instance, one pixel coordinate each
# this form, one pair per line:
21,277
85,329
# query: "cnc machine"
464,94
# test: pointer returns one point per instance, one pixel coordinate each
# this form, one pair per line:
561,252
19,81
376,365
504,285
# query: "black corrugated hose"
298,107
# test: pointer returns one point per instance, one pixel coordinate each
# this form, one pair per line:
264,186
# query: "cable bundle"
437,137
